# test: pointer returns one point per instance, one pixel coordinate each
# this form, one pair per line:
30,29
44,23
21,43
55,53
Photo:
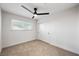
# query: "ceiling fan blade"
27,9
33,17
42,13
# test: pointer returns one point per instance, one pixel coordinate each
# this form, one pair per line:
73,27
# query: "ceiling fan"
35,12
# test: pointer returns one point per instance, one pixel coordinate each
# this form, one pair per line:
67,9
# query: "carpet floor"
35,48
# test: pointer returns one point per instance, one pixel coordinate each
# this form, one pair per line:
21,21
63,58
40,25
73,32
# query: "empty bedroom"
39,29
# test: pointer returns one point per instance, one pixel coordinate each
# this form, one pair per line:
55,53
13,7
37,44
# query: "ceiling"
52,8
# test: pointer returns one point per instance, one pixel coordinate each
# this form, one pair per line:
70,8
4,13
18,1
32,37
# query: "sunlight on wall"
43,27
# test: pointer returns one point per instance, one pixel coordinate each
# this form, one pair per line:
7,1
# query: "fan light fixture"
35,15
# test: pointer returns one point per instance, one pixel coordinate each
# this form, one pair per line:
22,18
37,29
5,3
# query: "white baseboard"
59,46
16,43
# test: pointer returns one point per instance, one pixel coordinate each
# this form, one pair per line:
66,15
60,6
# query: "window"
21,25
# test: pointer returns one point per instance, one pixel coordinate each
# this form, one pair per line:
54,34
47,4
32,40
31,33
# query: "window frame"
21,29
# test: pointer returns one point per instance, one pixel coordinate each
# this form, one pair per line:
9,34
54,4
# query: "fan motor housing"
35,9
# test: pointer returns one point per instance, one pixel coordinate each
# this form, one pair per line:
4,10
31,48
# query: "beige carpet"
35,48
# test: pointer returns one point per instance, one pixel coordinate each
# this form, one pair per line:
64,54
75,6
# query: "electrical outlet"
48,33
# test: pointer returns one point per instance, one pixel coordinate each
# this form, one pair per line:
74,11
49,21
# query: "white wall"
0,31
77,42
61,30
10,37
